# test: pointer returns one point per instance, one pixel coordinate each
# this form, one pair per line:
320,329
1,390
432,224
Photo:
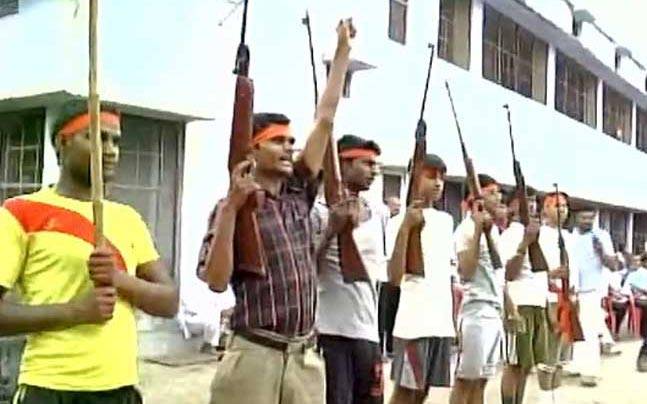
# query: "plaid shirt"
283,301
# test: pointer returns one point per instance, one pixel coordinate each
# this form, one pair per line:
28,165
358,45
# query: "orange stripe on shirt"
38,216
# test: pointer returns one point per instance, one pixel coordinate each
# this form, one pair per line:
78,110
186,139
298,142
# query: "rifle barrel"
458,126
424,97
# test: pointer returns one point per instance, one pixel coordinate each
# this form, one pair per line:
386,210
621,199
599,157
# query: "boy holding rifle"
424,328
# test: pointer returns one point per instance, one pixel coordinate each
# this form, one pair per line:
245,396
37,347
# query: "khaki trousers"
253,373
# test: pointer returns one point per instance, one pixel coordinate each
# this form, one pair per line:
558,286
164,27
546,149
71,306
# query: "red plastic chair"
610,320
634,313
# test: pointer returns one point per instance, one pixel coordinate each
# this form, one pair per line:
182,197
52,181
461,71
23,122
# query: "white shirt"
425,308
483,294
587,261
530,288
349,309
548,241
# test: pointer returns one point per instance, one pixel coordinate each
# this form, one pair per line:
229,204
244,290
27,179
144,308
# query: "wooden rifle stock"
567,312
473,182
414,259
535,254
248,247
350,260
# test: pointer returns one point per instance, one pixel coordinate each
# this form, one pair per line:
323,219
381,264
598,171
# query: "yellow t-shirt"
45,242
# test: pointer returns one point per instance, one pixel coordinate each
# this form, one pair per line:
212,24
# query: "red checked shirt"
284,301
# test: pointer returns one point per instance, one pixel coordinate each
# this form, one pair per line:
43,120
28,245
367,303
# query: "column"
599,111
634,125
550,77
630,232
476,38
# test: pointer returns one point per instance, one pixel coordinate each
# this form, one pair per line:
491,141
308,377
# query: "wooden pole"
96,153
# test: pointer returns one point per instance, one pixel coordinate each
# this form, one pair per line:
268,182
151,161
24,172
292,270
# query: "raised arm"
514,265
317,142
152,290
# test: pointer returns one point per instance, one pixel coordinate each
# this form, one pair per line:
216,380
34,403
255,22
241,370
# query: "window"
391,185
451,201
148,177
21,152
617,115
454,31
618,227
8,7
640,232
575,90
513,57
398,20
641,129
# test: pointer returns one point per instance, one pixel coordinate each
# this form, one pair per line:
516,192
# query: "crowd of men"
302,333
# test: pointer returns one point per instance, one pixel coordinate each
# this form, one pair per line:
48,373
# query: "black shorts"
38,395
353,370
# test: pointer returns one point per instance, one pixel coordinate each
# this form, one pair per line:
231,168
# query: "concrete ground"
620,384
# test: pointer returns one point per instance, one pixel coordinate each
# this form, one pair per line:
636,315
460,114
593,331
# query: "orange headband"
109,120
274,130
357,153
551,200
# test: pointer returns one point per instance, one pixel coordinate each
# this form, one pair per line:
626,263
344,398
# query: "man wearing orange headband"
78,299
480,327
424,328
526,339
552,203
347,320
271,356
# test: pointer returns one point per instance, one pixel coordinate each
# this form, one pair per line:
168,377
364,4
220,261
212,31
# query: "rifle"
535,254
248,249
414,261
473,182
350,260
567,317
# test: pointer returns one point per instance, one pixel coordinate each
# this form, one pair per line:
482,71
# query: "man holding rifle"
271,356
79,298
347,312
424,328
554,212
481,325
526,340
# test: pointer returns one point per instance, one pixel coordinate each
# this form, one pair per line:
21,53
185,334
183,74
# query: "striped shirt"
284,301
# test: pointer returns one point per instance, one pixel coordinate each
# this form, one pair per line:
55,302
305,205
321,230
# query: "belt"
274,343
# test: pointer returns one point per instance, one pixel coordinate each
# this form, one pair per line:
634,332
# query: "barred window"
575,90
454,31
398,20
617,115
513,57
8,7
21,152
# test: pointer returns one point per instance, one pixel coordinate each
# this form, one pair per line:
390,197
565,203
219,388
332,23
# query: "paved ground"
621,384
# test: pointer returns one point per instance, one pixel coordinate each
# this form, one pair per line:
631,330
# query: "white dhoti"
586,354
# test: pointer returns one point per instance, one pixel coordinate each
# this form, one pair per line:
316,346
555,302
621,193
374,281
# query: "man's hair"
484,181
355,142
72,109
540,201
264,119
435,161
